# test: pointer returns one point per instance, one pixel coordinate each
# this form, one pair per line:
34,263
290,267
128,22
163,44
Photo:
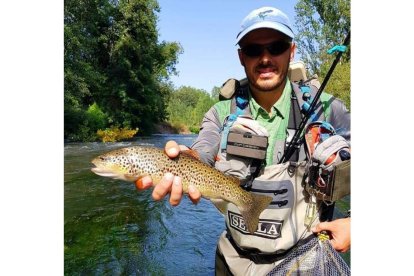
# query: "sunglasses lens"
275,49
278,48
253,50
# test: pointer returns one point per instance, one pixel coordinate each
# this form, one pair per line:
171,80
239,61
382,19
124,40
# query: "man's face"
266,72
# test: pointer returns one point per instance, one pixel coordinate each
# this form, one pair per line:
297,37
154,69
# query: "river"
113,229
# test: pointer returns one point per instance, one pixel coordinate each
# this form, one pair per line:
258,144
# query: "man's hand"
169,184
340,232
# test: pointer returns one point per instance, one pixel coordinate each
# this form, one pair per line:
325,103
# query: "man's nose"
265,57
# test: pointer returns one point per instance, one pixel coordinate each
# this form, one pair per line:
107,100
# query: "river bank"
167,128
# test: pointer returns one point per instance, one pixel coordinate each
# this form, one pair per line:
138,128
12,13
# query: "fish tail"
252,212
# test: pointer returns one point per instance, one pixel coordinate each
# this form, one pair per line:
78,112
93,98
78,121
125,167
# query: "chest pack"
237,91
242,153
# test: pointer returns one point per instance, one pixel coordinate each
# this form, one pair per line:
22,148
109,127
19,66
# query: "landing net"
317,257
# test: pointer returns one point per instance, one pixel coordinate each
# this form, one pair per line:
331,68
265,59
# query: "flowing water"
113,229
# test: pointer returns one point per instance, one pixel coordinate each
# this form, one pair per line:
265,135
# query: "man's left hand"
339,231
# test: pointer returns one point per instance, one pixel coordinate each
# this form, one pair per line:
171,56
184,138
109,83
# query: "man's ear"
240,57
292,51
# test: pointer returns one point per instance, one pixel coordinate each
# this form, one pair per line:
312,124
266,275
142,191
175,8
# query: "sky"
207,31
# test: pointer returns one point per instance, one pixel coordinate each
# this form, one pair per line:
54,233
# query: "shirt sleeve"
340,119
208,140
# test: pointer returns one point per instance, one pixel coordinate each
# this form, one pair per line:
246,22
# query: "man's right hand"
169,184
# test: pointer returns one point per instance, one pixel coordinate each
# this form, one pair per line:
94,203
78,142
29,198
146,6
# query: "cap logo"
263,14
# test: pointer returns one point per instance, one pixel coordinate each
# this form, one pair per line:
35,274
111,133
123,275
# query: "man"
266,49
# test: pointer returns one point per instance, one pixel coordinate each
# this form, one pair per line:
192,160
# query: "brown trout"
132,163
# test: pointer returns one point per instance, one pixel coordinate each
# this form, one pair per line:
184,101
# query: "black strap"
327,211
257,166
259,257
224,266
295,117
241,91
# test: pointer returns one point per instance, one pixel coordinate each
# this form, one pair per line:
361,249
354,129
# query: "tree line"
117,72
322,24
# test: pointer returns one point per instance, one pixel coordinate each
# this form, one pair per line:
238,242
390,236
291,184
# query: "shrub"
95,117
114,134
195,129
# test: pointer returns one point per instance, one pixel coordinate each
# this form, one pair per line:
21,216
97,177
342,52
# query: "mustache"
266,66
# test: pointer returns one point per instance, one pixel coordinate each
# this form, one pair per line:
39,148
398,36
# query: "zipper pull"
310,211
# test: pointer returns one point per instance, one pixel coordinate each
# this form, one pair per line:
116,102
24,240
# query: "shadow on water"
112,229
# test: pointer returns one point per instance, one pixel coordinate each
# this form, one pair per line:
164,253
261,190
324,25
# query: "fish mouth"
103,172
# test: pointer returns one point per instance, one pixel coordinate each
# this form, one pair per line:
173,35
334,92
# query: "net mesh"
316,257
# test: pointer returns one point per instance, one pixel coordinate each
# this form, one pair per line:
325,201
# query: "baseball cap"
265,17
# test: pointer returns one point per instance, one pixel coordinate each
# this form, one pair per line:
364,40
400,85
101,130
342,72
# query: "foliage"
87,122
117,71
187,107
215,92
114,134
340,83
113,58
95,117
322,24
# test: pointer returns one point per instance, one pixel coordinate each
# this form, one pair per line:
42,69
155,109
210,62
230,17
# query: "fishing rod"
289,151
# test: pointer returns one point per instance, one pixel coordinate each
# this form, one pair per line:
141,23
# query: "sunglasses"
275,48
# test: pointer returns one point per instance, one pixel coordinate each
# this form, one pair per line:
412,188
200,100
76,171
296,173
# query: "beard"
268,85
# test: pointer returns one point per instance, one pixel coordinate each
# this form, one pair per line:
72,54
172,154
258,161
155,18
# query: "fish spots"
152,161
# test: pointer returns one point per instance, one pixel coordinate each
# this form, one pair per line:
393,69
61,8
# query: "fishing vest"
281,226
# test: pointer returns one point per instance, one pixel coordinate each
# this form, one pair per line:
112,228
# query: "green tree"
215,92
322,24
187,106
113,58
137,65
82,76
339,84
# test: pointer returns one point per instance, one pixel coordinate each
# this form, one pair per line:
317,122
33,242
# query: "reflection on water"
112,229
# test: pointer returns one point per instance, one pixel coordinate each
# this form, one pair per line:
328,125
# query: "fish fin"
251,213
191,153
220,204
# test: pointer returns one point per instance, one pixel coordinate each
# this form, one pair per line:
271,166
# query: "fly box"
247,144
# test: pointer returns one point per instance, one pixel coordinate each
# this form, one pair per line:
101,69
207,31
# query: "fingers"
321,226
341,244
317,228
173,185
182,147
172,149
339,232
143,183
194,194
335,245
163,187
169,184
176,191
